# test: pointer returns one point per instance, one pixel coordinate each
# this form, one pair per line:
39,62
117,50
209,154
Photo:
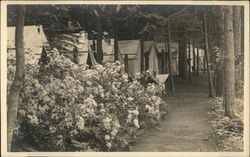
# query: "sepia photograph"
79,78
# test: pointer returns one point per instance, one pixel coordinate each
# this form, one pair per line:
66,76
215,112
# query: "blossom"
125,77
109,145
80,124
33,119
136,123
136,112
130,99
114,132
89,83
107,137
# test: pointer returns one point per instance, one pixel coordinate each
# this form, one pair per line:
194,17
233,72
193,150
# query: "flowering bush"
67,107
226,132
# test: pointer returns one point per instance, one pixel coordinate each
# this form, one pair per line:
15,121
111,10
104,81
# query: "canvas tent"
70,43
174,52
129,47
34,40
151,56
132,48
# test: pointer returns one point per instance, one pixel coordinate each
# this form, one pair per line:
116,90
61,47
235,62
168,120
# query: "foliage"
65,107
227,133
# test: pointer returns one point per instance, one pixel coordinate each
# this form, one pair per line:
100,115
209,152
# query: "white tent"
174,48
34,40
151,51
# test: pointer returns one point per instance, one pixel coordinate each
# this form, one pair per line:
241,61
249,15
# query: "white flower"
109,145
136,123
80,124
130,99
114,132
107,137
125,77
89,83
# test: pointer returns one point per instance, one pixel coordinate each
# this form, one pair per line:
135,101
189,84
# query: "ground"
186,127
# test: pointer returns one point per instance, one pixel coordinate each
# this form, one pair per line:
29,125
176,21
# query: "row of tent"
35,38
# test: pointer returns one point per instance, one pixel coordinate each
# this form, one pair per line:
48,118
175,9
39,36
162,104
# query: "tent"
174,54
132,48
34,40
129,47
151,56
71,43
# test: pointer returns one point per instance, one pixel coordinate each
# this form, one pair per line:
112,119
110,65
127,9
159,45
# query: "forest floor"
186,127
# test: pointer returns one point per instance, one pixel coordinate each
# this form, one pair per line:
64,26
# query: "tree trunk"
189,63
13,97
210,82
198,60
142,53
237,48
220,43
99,40
182,56
194,57
229,62
172,88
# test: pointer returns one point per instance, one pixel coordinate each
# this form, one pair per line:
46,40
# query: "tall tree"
210,82
189,63
194,57
172,88
182,55
198,60
229,62
13,97
220,44
237,48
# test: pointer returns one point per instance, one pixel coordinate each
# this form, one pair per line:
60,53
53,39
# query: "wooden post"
189,63
172,88
198,61
116,48
142,53
210,82
94,48
126,63
99,40
165,56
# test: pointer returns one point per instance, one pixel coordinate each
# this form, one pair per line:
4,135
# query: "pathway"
185,128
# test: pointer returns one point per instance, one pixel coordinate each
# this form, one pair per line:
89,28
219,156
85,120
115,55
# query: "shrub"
67,107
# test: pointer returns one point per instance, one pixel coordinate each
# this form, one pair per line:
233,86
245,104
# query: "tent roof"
34,38
130,47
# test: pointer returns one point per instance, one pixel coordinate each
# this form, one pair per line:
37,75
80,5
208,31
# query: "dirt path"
186,127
